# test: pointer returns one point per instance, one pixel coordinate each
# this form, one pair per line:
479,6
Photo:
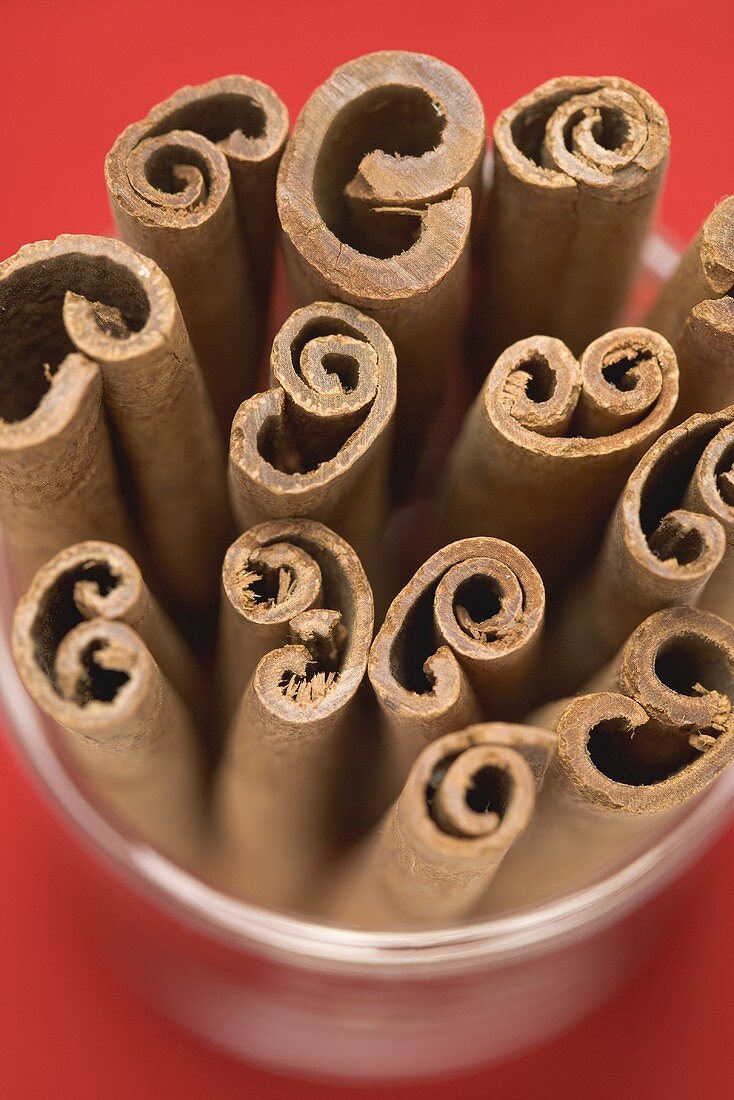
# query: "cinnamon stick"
96,653
467,800
549,442
376,194
317,444
296,628
193,186
578,167
695,311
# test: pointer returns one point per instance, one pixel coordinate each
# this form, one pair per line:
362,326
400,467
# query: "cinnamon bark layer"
96,653
670,541
193,186
297,623
548,443
458,644
695,311
317,444
376,193
467,800
578,166
91,335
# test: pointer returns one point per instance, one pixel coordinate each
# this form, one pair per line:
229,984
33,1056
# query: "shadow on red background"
71,77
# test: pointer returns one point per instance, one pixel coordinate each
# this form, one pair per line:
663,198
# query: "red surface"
71,77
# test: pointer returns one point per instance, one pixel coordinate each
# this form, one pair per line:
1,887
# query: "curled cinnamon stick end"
468,798
459,641
296,628
193,186
578,166
669,542
696,313
546,447
317,444
376,193
97,654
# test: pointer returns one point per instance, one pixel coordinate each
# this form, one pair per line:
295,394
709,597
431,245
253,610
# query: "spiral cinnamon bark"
578,166
90,327
547,446
193,186
96,653
695,311
296,628
317,444
669,542
376,193
467,800
458,643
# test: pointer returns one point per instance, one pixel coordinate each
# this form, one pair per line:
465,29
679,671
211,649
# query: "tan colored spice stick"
547,445
459,643
376,193
193,186
695,311
317,444
578,166
670,541
467,800
81,638
297,625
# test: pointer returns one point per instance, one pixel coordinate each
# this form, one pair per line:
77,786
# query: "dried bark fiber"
96,653
549,442
695,311
92,338
193,186
376,194
317,444
578,166
297,623
468,798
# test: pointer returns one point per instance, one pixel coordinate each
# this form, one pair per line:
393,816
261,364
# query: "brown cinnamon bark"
91,327
97,654
468,798
578,166
459,643
317,444
547,446
193,186
376,194
669,542
296,628
695,311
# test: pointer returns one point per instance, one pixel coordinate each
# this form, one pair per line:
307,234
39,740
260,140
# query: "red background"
72,76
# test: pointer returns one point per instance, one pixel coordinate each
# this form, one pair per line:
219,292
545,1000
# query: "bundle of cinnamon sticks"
423,608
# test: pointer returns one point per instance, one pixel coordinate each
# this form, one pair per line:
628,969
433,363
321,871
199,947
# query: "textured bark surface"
96,653
193,186
317,444
695,311
578,166
549,442
376,194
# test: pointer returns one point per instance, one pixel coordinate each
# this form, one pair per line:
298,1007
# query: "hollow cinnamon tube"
297,623
578,166
467,800
695,311
376,193
84,318
96,653
547,445
459,643
317,444
193,186
670,541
